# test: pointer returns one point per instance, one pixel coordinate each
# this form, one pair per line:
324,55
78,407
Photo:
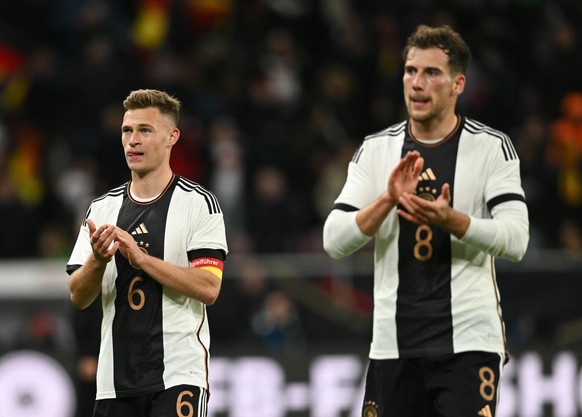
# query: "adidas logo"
485,412
140,230
427,175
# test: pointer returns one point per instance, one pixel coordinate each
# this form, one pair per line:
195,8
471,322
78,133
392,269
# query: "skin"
147,138
430,94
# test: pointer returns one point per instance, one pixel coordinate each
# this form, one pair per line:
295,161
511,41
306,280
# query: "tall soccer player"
441,194
154,248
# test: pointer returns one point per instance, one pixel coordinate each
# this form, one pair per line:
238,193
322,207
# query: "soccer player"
154,248
441,194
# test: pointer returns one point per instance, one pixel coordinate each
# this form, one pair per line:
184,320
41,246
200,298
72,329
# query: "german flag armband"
210,264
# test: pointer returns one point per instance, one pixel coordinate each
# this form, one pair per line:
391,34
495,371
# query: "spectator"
228,177
239,302
276,215
278,323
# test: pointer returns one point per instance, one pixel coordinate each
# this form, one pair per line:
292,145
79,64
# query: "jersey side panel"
379,154
194,222
478,323
103,211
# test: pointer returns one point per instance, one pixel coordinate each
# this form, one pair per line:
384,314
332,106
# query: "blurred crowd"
277,95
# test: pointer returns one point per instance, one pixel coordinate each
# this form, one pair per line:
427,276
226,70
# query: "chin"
420,118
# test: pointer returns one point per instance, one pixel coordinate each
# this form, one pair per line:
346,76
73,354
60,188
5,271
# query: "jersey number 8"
423,247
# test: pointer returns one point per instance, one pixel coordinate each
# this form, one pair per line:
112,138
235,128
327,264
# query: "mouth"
418,103
419,100
132,155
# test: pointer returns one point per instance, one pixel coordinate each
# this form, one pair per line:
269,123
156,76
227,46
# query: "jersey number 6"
136,294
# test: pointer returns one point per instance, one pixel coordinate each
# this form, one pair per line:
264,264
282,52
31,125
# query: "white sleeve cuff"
342,235
505,235
481,233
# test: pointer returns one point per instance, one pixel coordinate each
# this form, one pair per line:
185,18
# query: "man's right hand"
102,241
404,177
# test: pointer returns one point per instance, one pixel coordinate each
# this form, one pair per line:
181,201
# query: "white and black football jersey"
433,293
153,338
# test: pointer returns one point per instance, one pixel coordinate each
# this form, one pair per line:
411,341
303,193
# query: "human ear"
174,136
459,84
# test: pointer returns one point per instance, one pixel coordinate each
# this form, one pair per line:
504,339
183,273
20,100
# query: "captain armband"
213,265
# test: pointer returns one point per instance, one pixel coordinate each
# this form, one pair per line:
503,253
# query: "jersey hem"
436,352
130,393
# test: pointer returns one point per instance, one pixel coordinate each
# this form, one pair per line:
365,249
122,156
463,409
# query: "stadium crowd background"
277,95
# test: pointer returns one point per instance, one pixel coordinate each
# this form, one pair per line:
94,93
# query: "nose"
417,81
133,139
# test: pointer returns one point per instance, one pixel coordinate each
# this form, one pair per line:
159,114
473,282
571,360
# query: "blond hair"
165,103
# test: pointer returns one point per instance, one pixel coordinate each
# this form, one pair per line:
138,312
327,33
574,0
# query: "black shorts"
179,401
460,385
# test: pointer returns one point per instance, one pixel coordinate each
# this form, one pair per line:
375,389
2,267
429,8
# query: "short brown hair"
444,38
165,103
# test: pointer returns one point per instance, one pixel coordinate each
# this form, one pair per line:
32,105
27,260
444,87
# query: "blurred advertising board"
309,384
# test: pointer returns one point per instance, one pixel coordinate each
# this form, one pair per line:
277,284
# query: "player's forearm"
456,223
85,283
505,235
196,283
342,235
371,217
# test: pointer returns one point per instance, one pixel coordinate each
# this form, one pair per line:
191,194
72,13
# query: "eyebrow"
140,125
430,68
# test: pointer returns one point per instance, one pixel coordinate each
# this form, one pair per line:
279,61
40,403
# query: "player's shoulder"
373,143
113,193
198,193
392,132
490,137
189,186
104,202
476,127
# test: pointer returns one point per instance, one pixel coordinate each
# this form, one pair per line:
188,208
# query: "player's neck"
434,128
151,184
